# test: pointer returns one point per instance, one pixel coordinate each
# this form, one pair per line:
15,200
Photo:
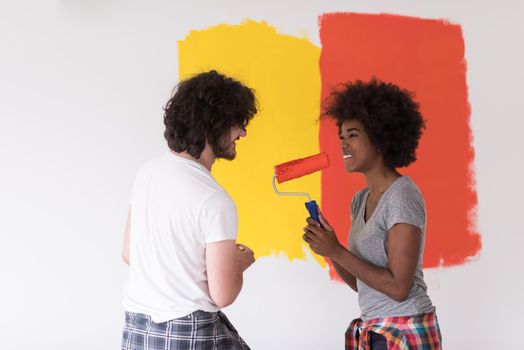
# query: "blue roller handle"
312,208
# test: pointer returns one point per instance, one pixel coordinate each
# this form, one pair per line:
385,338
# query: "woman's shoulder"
404,188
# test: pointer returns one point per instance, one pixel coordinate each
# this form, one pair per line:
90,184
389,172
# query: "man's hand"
245,256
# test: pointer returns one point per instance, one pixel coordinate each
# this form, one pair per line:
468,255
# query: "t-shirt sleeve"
406,206
138,184
219,218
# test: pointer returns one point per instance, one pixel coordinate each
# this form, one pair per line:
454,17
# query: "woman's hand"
321,240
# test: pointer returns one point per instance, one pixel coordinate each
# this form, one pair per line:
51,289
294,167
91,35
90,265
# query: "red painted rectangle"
426,57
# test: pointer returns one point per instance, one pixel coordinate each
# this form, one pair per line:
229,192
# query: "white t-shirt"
176,208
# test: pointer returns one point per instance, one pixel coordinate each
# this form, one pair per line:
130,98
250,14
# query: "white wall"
81,85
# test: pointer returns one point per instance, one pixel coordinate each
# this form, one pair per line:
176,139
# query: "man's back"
180,236
177,208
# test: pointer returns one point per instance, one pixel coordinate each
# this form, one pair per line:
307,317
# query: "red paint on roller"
301,167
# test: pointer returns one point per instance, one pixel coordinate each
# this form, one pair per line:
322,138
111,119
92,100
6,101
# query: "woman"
379,127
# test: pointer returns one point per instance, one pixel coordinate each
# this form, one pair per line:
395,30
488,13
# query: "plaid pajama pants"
197,331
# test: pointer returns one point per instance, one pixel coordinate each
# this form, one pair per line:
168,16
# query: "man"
180,238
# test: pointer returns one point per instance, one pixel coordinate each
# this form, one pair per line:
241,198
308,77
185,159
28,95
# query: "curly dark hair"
206,106
389,114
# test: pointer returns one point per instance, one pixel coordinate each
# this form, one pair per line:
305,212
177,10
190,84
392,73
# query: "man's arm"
226,263
125,249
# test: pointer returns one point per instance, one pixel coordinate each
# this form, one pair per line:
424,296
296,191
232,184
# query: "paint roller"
298,168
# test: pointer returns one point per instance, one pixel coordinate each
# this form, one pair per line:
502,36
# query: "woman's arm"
345,275
403,242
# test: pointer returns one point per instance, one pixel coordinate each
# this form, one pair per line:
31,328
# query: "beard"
225,154
225,151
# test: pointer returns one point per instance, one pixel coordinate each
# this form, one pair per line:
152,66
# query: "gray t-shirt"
403,203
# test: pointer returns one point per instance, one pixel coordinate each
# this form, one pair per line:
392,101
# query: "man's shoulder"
219,197
153,162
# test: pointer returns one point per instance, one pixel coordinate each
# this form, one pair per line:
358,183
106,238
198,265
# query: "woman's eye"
352,135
